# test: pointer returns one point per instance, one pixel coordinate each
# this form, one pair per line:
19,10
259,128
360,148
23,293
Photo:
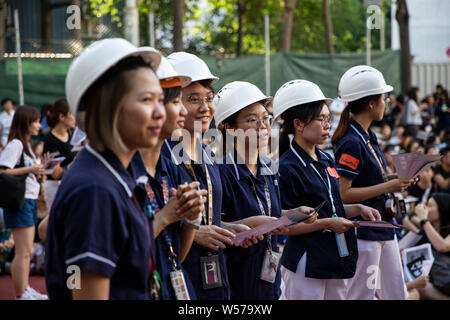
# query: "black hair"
305,113
444,151
5,100
427,148
354,107
45,109
171,93
443,203
60,106
207,83
412,93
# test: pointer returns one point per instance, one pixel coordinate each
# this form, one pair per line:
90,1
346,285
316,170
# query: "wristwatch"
422,222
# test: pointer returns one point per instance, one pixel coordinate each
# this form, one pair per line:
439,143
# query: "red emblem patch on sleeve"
349,161
333,172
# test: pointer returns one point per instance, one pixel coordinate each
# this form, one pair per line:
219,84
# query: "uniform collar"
126,177
243,172
358,129
305,158
170,144
142,175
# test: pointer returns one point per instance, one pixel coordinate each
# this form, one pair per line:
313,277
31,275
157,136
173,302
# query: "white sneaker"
27,296
36,295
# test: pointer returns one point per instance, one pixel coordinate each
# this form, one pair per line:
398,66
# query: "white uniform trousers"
295,286
379,269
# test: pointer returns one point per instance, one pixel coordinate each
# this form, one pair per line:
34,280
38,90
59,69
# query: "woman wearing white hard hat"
100,244
318,258
362,168
205,262
161,174
250,183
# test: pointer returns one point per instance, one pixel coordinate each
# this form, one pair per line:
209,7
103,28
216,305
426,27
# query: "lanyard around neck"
154,208
327,185
252,185
207,216
372,150
267,194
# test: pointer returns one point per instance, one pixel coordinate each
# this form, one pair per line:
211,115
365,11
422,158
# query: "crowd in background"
412,122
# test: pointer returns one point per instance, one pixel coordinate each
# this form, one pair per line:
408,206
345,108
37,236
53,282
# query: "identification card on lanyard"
271,258
210,269
176,275
209,265
340,237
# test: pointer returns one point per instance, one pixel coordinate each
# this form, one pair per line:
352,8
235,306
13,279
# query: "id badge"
179,285
211,276
270,266
341,244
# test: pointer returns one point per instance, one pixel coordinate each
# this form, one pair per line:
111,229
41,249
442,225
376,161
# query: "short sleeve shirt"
5,125
174,151
53,144
300,185
95,226
11,156
355,161
240,202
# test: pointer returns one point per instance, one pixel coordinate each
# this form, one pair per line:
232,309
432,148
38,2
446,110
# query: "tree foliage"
213,29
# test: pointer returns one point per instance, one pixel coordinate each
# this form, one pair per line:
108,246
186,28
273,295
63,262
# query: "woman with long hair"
362,169
319,258
61,121
18,158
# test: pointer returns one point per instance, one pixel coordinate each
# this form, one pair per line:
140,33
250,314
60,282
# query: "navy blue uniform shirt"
301,186
239,202
192,261
164,168
94,225
355,160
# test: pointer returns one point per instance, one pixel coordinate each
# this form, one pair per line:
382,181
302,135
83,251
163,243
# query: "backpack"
12,189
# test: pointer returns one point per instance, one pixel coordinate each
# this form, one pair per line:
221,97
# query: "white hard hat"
166,72
98,58
191,65
294,93
234,97
362,81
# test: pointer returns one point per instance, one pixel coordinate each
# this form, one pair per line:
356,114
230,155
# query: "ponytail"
61,106
284,137
305,113
354,107
342,127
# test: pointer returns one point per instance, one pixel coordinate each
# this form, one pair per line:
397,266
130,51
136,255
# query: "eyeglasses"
325,120
199,100
254,122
